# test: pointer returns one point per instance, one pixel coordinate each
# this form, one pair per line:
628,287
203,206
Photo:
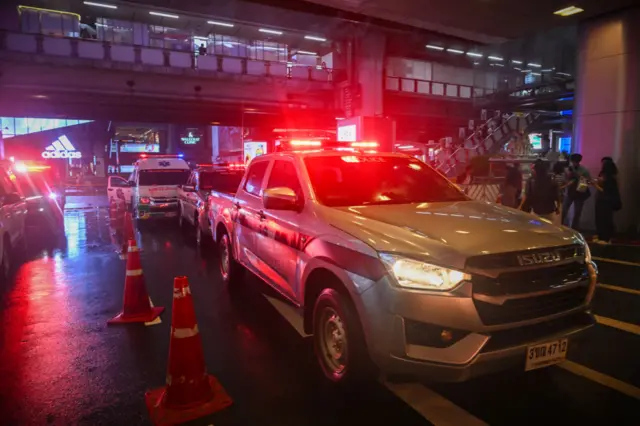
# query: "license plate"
546,354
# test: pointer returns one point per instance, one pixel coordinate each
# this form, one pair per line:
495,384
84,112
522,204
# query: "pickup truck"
395,270
193,197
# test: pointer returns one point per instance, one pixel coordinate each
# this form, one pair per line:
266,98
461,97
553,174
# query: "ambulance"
154,186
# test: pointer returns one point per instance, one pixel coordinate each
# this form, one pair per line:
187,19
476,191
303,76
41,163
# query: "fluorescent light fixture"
517,69
536,73
314,38
568,11
563,73
526,71
455,51
495,58
531,64
476,63
548,70
475,55
220,24
306,52
164,15
434,47
516,62
267,31
497,65
107,6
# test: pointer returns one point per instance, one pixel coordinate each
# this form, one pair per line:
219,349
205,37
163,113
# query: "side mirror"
188,188
281,198
12,198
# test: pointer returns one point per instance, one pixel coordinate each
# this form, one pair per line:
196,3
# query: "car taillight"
145,200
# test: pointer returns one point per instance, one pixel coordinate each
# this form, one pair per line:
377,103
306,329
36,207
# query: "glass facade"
16,126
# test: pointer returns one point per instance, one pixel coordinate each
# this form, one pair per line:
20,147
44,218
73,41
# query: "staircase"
491,144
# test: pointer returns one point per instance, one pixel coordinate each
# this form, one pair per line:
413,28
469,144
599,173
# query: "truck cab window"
284,174
255,175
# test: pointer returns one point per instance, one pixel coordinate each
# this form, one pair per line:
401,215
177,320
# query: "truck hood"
448,232
158,191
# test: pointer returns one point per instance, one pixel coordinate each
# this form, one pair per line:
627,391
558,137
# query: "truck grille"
531,307
510,260
161,200
529,281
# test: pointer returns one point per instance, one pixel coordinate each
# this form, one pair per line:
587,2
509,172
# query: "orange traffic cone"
136,299
190,393
127,234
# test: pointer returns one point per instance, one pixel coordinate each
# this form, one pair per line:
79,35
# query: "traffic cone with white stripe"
127,234
136,306
190,393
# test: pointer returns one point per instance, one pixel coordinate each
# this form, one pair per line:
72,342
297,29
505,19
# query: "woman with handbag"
608,201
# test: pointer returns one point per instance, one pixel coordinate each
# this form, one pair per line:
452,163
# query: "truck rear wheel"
338,340
230,270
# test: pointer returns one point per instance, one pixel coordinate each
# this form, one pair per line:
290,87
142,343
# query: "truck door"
282,247
248,236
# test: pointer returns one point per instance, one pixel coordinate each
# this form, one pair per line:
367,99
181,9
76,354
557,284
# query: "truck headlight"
410,273
145,200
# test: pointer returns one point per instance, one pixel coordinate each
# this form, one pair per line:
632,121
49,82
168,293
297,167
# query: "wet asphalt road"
61,365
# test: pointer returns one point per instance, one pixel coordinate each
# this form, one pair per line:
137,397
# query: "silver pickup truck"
394,270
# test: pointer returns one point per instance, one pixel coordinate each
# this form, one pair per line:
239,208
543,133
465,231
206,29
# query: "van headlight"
410,273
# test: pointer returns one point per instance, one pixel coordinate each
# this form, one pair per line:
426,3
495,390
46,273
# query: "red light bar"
364,144
305,143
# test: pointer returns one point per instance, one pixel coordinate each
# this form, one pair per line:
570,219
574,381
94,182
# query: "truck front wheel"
230,270
338,340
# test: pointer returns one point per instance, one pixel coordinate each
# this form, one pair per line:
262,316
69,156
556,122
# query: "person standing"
608,201
542,195
578,192
512,187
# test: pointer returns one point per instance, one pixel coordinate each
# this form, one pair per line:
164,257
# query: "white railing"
475,145
96,50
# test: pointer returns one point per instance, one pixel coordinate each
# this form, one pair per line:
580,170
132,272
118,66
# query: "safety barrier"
103,53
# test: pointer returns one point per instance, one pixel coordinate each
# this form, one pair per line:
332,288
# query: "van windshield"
163,177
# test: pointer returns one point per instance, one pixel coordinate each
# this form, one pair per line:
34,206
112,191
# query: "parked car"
193,197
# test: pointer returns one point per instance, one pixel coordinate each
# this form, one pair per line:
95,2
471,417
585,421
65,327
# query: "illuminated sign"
347,133
140,147
253,150
190,139
61,148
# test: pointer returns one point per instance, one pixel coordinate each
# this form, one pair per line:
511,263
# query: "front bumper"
388,313
166,210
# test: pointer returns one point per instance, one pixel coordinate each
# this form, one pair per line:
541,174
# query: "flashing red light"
305,143
143,155
364,144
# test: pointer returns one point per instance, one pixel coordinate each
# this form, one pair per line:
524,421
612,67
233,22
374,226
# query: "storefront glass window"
16,126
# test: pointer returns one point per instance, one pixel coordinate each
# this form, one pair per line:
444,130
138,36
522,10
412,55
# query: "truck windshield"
221,181
356,180
163,177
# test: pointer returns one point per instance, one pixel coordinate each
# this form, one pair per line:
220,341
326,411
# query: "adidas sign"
61,148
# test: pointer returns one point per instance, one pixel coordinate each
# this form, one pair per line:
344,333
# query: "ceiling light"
548,70
434,47
497,65
455,51
305,52
264,30
534,65
475,55
526,70
164,15
516,62
563,73
536,73
108,6
568,11
517,69
220,24
495,58
314,38
476,63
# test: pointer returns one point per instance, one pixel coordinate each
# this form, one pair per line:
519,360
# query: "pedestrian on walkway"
608,201
512,187
578,192
541,194
560,178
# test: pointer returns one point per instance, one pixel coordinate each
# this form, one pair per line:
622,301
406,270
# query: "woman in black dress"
608,201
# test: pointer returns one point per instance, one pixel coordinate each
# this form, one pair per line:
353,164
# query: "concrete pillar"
369,72
607,116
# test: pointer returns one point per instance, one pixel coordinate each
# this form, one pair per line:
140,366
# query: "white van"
154,186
